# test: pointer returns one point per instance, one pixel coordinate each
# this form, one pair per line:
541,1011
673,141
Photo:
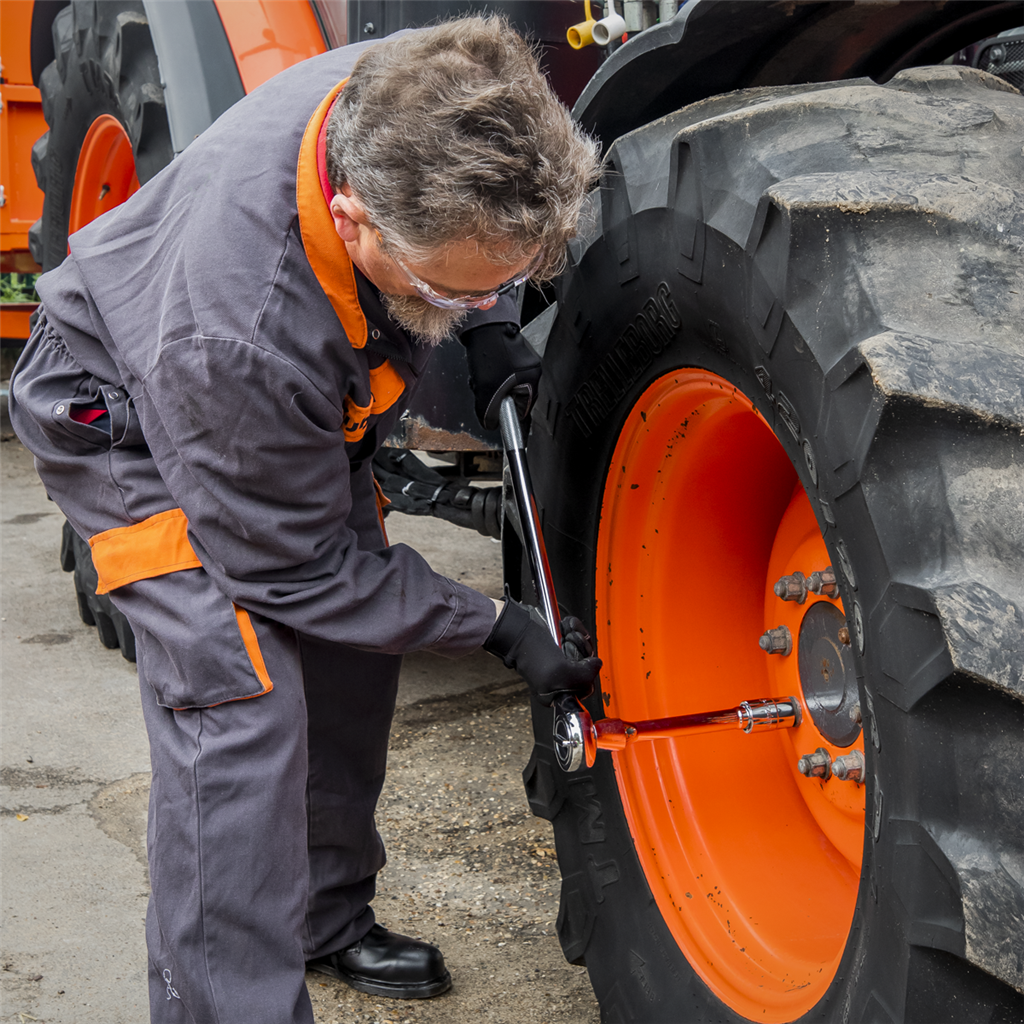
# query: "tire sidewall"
637,970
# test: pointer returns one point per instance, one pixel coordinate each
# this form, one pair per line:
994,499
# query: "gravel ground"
471,870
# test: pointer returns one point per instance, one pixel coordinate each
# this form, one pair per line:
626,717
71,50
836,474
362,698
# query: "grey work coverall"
203,393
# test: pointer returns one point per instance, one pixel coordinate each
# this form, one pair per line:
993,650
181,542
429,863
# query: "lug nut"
844,635
792,588
817,765
777,641
824,583
849,767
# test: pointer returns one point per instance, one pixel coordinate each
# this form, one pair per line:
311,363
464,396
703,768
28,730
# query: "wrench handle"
573,737
522,487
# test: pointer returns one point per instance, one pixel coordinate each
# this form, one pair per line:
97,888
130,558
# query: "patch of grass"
18,288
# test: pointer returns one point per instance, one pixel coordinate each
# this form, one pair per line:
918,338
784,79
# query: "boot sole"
389,989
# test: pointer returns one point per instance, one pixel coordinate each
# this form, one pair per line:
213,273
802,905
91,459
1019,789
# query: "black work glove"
501,362
576,642
522,641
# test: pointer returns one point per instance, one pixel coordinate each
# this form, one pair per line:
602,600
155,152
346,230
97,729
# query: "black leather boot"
382,963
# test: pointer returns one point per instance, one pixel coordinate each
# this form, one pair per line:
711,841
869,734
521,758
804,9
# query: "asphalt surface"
469,867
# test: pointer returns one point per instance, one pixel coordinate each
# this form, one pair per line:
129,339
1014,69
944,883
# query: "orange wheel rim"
105,176
754,867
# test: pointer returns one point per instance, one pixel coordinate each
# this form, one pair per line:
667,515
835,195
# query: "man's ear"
348,214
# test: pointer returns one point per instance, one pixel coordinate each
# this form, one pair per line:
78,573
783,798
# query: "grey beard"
428,324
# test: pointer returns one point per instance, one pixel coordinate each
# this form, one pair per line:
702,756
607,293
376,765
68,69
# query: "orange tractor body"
265,38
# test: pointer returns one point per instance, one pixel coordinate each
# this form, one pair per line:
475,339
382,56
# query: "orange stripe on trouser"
157,546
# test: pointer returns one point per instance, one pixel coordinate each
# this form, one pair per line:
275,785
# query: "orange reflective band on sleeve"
252,648
154,547
357,418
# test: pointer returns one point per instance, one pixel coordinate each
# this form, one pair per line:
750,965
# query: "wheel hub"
827,674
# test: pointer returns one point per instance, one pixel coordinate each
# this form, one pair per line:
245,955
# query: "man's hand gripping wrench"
576,737
572,723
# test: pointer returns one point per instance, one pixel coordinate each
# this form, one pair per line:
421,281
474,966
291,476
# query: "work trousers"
262,846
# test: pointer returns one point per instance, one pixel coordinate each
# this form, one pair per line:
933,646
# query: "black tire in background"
104,66
849,257
94,609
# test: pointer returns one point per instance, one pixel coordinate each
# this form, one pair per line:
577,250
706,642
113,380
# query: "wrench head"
573,738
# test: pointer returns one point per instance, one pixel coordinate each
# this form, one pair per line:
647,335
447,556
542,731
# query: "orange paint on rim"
105,176
754,868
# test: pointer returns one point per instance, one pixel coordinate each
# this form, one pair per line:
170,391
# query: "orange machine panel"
15,40
267,36
21,123
14,321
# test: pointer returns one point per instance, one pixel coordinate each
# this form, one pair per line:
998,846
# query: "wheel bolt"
824,583
849,767
777,641
817,765
844,635
792,588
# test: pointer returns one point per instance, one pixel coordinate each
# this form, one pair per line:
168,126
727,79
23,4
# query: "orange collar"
325,251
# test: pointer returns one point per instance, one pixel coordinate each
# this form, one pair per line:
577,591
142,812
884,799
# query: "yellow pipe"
582,34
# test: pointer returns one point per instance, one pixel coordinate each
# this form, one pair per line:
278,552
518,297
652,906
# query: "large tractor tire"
792,345
108,127
108,132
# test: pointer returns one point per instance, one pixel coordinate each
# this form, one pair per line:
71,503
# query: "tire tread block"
94,609
820,211
986,634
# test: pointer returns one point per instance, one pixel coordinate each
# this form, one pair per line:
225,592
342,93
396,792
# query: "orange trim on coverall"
157,546
325,250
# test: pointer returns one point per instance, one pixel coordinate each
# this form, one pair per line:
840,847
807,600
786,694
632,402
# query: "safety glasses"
473,300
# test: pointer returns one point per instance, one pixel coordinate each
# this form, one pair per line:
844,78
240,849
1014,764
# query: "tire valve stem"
777,641
817,765
792,588
823,582
849,767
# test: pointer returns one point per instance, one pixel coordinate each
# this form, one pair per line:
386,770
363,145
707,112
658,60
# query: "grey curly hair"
453,133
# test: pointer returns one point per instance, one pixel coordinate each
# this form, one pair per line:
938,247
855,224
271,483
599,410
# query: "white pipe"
610,27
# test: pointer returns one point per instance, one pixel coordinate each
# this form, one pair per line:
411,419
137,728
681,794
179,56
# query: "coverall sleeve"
255,455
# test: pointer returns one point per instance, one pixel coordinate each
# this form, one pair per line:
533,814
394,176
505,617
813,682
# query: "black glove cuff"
512,623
